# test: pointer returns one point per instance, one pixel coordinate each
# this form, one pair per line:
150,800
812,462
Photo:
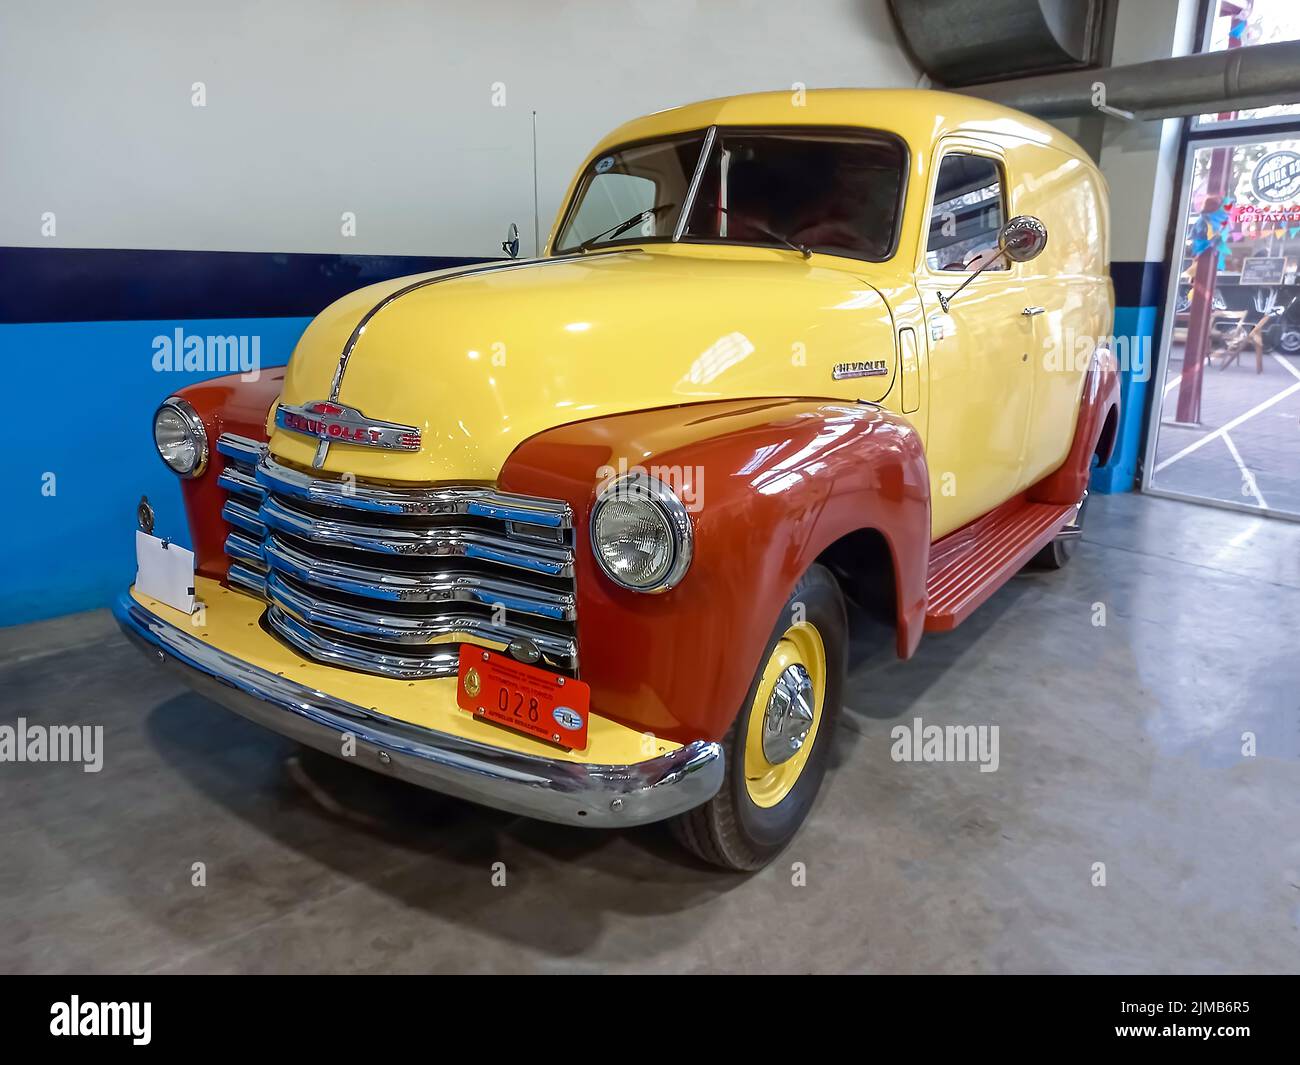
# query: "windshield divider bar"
694,186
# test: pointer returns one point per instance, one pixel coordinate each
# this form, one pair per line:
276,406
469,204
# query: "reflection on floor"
1122,688
1247,447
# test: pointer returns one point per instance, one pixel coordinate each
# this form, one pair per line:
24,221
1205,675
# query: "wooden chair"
1234,340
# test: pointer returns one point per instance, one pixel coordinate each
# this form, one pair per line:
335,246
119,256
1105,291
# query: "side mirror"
1023,238
1020,239
511,244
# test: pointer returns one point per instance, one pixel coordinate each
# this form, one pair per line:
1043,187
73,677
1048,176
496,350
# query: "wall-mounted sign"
1263,270
1276,178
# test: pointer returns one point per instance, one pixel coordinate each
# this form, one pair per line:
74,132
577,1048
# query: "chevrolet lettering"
874,368
332,422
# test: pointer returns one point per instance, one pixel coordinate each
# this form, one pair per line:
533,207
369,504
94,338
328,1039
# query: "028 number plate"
535,701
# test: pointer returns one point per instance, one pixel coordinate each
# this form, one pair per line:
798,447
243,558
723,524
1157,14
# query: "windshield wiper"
802,249
626,224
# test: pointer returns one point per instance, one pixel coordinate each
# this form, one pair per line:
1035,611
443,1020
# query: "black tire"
1057,553
731,830
1270,336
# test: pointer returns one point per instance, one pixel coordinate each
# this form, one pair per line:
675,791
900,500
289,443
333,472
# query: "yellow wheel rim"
780,734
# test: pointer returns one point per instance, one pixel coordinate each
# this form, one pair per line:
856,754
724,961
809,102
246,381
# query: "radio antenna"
537,238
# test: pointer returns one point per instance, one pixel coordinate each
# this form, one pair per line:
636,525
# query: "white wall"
383,108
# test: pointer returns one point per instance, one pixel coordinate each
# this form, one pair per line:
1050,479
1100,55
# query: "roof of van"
919,116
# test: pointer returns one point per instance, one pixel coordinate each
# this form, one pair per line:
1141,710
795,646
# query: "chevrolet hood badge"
333,423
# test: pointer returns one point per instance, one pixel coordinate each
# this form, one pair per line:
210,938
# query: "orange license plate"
535,701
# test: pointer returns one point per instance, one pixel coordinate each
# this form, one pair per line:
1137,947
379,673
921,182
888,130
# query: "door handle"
1030,312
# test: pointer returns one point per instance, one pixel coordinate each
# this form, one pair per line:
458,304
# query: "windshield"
833,191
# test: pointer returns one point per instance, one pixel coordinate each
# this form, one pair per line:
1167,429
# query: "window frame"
962,146
1196,124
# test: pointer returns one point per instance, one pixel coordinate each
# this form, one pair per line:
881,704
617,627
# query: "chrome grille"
391,580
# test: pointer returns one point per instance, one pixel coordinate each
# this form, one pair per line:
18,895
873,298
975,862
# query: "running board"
969,565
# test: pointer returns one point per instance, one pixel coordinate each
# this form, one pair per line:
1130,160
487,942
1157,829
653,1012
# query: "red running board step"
969,565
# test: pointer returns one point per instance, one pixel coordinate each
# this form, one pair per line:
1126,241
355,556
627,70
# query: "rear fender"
1100,397
771,484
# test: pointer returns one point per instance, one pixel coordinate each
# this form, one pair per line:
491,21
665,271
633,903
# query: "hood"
481,359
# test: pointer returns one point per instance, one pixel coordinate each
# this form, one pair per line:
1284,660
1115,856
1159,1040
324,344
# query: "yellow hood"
481,361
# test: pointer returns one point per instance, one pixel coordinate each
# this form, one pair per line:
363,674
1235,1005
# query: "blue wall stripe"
1139,292
83,396
114,284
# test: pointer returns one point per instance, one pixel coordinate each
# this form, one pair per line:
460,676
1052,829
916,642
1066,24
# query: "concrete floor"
1119,744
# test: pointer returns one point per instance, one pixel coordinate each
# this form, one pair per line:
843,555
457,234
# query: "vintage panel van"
582,537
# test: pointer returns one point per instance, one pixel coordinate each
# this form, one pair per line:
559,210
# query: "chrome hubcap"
789,714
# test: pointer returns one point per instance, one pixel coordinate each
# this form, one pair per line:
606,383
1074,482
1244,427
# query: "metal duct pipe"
1257,76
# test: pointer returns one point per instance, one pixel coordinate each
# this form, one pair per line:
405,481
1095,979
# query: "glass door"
1228,416
1225,424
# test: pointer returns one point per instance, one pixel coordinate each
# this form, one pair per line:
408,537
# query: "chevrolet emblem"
333,423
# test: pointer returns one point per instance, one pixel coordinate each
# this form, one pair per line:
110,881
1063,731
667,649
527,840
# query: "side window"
969,209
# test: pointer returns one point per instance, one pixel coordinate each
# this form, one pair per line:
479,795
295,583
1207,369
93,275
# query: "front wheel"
777,748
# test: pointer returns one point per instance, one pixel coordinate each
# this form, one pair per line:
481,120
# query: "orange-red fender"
225,405
774,483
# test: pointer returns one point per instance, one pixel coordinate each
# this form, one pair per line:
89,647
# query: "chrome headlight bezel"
640,487
193,426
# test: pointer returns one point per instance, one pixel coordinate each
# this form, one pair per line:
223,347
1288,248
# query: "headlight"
641,534
181,440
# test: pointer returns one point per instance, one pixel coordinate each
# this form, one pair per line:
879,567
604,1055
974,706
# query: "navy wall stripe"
114,285
1138,284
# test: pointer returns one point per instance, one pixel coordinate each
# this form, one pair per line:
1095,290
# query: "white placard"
164,572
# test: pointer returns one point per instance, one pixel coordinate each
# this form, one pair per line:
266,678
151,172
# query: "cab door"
980,365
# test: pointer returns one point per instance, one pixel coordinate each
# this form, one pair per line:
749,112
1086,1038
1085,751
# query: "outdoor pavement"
1247,448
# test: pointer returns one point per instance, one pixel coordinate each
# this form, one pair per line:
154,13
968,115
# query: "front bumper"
567,792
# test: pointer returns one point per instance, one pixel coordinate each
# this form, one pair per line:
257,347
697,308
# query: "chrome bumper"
596,796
